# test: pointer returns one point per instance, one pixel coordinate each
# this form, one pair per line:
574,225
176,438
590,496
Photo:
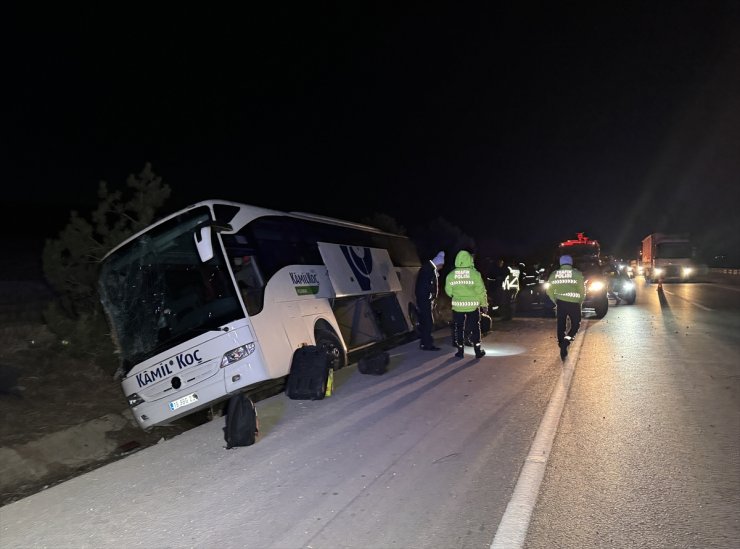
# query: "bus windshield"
157,293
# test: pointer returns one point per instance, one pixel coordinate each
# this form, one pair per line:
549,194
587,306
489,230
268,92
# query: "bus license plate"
184,401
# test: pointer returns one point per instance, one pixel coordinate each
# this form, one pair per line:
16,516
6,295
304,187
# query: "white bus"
215,299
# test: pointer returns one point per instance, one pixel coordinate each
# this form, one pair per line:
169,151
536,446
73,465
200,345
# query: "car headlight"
686,271
628,285
658,271
596,286
237,354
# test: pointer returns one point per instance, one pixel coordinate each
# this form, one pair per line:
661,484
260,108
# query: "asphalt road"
643,450
647,452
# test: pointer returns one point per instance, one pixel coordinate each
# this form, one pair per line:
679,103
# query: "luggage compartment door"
358,270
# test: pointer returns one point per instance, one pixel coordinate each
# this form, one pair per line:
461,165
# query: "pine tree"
71,261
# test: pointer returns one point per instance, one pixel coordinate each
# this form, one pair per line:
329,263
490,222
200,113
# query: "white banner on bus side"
357,270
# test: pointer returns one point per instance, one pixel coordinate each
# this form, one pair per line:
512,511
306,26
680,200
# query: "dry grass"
56,390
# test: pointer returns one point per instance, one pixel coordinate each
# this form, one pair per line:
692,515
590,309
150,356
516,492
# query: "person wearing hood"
427,290
465,286
567,290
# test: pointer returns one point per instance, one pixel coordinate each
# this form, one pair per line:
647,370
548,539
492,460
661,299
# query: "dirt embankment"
61,416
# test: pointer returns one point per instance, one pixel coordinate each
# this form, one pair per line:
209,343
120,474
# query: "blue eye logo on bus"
361,266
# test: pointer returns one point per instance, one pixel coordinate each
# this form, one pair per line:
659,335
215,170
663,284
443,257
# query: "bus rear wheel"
414,318
329,342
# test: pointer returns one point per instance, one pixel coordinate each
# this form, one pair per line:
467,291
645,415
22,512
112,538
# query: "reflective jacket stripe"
456,303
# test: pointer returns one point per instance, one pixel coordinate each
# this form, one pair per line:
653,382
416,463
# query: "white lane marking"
512,530
687,300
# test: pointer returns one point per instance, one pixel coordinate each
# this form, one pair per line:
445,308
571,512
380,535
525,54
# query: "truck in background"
669,257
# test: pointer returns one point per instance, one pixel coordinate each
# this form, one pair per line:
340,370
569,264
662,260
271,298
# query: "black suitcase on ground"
375,364
309,374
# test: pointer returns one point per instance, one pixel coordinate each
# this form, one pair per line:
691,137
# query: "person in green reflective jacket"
464,284
567,290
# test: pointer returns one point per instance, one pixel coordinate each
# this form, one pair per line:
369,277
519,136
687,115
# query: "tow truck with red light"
586,254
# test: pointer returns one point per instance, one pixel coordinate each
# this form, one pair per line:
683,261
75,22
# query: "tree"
384,222
440,234
70,262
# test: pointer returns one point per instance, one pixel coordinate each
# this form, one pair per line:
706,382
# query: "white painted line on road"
512,530
687,300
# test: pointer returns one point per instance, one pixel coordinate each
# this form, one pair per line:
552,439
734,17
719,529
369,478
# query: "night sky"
520,125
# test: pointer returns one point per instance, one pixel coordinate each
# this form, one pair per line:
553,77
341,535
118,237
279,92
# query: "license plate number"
184,401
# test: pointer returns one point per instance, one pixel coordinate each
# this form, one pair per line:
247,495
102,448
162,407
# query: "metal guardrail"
724,276
725,271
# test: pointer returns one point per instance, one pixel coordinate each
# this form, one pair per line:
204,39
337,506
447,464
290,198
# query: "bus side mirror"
202,236
203,243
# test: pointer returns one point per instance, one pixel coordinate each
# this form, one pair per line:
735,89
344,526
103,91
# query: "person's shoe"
460,352
428,347
564,349
479,353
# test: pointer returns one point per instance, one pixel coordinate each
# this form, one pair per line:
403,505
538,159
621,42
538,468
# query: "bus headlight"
237,354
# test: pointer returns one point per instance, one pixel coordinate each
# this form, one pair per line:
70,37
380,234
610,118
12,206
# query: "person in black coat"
427,290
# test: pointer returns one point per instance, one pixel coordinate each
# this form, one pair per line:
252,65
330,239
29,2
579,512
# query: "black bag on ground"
309,374
241,422
375,364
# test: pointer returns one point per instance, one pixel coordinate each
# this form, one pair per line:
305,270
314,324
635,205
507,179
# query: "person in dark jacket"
427,290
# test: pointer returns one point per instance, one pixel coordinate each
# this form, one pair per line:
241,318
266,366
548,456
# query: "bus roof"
257,211
335,221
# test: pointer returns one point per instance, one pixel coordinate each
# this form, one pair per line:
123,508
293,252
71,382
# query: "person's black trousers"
470,320
566,310
426,322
